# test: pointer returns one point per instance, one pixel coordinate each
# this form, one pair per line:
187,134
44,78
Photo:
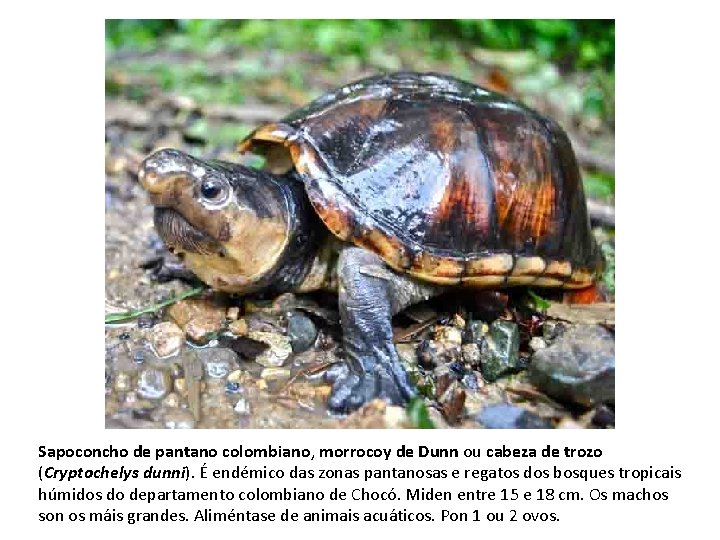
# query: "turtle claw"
351,391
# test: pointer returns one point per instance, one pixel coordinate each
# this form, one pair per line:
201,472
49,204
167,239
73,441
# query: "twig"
125,315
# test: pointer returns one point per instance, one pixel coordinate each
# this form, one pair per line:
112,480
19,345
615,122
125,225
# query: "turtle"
388,190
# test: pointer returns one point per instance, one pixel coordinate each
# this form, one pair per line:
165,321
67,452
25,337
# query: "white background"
52,262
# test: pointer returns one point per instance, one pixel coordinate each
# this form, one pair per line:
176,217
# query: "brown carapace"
444,180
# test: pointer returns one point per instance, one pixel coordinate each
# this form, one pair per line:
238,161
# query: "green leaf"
418,414
127,315
539,302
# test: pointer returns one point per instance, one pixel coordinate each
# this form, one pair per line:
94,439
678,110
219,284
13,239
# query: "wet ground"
504,359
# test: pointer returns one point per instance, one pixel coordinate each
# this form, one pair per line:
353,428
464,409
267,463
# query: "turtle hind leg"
369,295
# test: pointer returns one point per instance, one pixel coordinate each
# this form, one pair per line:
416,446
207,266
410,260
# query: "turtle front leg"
370,294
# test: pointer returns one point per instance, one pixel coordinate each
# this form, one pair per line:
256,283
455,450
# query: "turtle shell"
444,180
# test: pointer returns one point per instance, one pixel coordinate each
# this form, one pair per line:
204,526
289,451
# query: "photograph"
360,223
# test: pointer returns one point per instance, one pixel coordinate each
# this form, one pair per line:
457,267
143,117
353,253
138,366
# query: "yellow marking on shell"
387,247
438,267
276,133
484,281
558,268
579,279
529,266
494,265
547,282
515,281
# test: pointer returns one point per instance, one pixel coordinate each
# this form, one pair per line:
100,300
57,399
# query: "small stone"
123,382
436,353
180,386
452,402
166,338
552,330
202,330
471,354
506,416
138,355
458,321
283,303
537,343
238,376
500,350
153,383
578,367
174,418
604,416
233,313
396,417
475,332
146,320
279,350
301,331
407,353
275,374
233,388
218,362
448,334
239,327
242,407
198,317
470,381
171,400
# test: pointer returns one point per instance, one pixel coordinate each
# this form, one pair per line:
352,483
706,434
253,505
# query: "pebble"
174,418
407,353
537,343
604,416
146,320
552,329
242,407
123,382
500,350
138,355
233,388
437,353
239,327
470,381
238,376
171,400
448,334
153,383
475,332
301,331
202,330
233,313
506,416
452,402
166,338
218,362
279,350
198,317
180,386
275,374
578,367
471,354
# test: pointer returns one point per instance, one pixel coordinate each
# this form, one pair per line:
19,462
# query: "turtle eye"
214,190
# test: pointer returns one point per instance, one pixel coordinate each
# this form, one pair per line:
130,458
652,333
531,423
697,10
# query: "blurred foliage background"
206,83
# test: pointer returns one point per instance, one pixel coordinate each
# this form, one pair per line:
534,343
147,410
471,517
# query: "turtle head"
229,223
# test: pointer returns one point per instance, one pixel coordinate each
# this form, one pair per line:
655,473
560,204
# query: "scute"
443,179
